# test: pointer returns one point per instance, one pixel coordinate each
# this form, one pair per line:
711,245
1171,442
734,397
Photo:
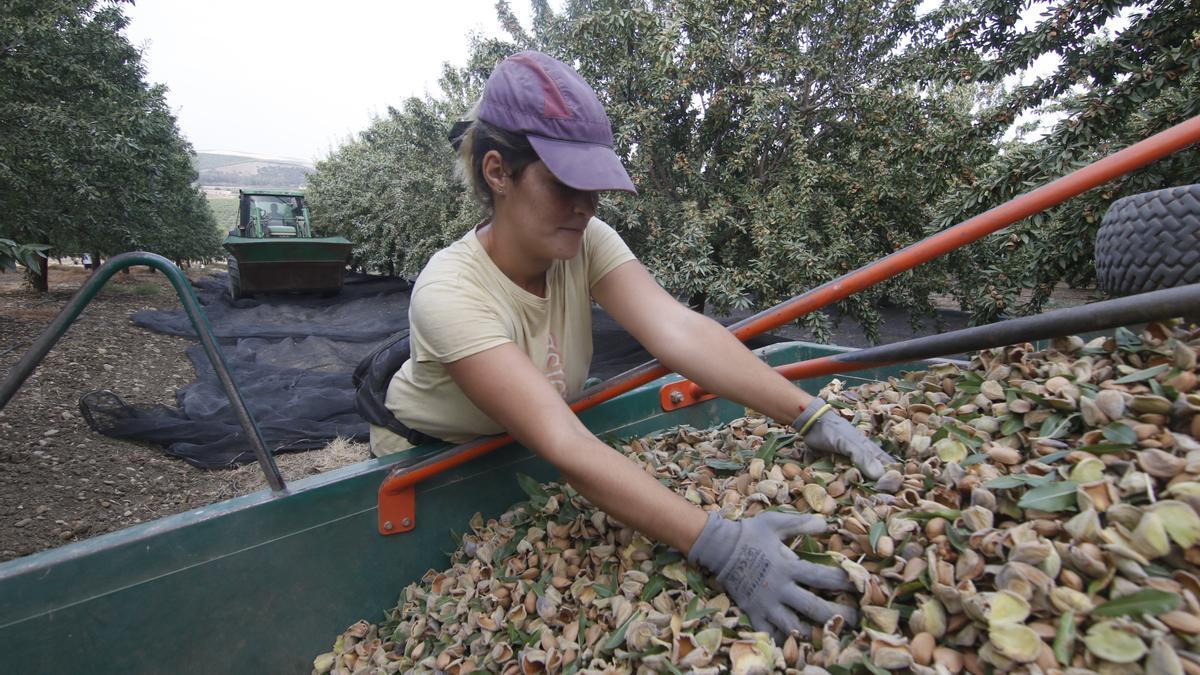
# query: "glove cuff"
715,544
810,415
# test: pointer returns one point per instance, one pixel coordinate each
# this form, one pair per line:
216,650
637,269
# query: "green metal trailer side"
265,582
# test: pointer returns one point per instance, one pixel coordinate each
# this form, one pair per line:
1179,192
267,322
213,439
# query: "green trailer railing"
264,583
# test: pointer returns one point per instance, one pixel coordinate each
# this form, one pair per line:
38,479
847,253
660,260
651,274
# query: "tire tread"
1150,241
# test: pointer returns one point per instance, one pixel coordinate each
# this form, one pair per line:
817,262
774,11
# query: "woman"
500,330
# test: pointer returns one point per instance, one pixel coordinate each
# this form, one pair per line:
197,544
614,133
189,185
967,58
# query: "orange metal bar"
1117,164
1135,156
398,484
684,393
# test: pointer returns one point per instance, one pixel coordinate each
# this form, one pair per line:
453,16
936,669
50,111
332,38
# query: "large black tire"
1150,241
235,279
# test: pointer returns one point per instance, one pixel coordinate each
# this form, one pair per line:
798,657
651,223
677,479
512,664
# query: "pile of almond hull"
1043,519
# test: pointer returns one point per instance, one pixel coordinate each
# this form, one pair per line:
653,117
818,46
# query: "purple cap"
545,99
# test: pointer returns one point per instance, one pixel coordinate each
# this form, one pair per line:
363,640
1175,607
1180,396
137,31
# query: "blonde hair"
481,138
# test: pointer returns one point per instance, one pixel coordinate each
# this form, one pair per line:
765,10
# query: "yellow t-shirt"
462,304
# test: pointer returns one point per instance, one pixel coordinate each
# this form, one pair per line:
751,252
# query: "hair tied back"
458,131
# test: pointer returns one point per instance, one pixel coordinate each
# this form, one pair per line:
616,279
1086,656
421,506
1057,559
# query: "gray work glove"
764,577
825,430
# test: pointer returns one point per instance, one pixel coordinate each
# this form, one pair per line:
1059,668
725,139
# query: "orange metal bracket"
399,483
397,493
682,394
398,513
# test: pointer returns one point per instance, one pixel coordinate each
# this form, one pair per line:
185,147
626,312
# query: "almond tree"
392,189
1125,71
91,159
777,145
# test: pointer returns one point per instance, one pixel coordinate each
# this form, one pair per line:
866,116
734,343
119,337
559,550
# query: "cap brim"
583,166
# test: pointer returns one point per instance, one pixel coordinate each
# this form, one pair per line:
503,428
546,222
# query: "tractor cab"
263,214
272,248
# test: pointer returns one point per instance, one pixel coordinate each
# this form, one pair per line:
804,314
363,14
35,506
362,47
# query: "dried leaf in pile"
1044,519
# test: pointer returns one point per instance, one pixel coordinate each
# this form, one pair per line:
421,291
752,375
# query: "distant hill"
238,171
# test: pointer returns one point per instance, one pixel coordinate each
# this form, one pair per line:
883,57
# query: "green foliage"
1127,70
392,190
777,145
12,253
91,158
224,210
1148,601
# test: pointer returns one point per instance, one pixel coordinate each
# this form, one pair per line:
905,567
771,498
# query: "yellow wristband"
825,408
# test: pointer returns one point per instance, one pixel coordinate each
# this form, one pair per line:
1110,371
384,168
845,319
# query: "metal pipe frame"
183,288
1143,308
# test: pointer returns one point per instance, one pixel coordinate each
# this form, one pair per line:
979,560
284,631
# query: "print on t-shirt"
554,366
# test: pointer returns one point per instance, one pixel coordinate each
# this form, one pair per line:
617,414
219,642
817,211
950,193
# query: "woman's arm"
694,345
701,349
505,385
764,577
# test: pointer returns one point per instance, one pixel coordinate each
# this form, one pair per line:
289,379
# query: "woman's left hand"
825,430
766,579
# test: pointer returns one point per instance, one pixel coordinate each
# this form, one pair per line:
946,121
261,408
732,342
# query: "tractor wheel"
235,280
1150,241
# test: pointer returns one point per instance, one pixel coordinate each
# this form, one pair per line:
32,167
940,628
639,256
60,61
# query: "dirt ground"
59,480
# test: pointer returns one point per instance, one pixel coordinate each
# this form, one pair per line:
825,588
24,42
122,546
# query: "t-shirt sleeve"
605,250
447,323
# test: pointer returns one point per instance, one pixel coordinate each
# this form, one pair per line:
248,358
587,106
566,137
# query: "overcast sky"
293,79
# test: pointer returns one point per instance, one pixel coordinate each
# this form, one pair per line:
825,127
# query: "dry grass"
293,465
40,315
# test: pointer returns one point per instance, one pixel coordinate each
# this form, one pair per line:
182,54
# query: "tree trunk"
39,276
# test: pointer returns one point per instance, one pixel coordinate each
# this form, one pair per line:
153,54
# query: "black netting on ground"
292,357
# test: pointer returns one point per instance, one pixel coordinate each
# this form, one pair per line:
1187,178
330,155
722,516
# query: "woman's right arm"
506,386
767,580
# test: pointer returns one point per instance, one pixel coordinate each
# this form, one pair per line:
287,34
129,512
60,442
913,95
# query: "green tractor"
272,248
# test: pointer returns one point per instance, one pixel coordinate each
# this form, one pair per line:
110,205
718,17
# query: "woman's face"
550,217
